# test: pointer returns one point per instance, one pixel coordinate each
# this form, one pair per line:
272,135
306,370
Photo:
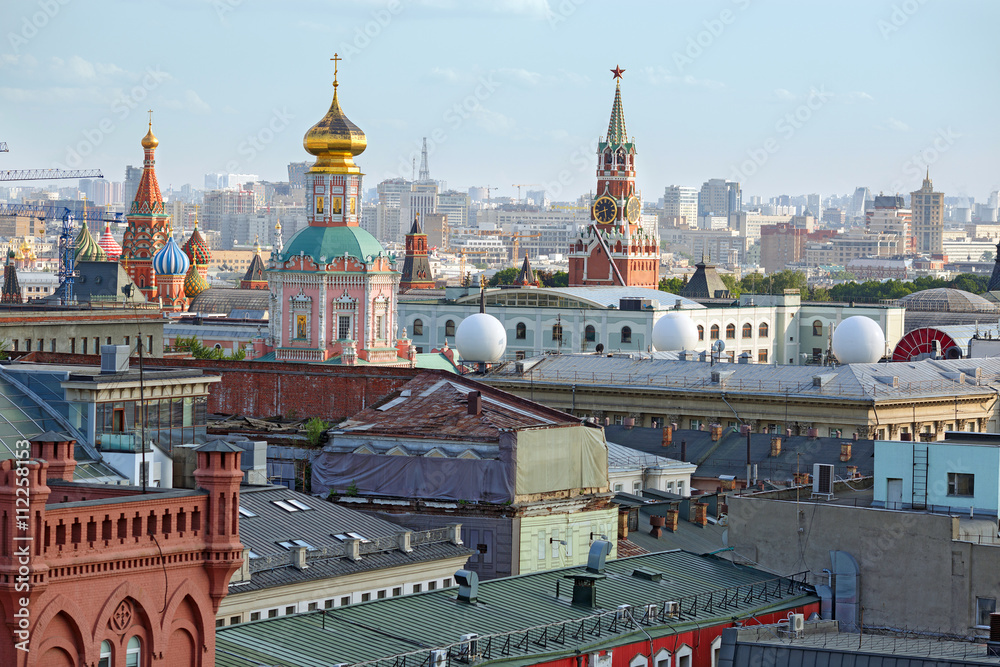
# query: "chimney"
684,450
845,452
299,558
657,523
673,517
993,644
700,514
775,445
352,548
468,586
475,403
668,436
57,449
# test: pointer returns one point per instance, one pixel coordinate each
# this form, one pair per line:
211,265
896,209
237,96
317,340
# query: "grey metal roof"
621,457
604,297
219,300
928,378
524,609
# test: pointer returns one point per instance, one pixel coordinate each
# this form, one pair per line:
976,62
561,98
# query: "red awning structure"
926,340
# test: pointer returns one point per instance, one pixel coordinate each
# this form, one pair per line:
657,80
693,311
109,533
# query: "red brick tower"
614,249
220,475
416,266
148,222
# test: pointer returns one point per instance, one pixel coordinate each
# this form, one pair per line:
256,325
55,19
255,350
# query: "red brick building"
108,576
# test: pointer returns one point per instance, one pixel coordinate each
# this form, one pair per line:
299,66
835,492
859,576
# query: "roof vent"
822,379
468,585
599,551
114,359
648,575
475,399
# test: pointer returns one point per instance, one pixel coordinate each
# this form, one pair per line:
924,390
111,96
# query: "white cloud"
661,76
519,75
189,102
492,121
783,94
896,124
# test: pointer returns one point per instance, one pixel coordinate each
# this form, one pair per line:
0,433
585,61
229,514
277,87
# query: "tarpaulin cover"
555,459
430,478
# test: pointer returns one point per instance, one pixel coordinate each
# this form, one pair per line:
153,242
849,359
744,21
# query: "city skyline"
787,99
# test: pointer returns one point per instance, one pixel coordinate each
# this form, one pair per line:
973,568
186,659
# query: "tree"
503,277
315,428
200,351
733,285
987,256
672,285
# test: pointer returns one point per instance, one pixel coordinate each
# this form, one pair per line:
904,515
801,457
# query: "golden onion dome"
150,140
335,140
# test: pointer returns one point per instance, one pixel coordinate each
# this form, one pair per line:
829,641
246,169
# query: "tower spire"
425,172
616,127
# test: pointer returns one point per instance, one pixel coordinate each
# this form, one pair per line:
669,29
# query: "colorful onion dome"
150,140
108,243
196,248
335,140
171,260
194,283
87,249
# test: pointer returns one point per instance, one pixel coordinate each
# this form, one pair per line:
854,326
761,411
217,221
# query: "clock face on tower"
633,208
605,209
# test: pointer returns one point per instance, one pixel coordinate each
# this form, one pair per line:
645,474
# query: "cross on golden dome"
336,61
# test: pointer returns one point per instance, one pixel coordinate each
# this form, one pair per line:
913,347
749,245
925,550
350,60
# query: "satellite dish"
600,348
719,345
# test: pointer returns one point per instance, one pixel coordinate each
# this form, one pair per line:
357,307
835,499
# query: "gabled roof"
431,407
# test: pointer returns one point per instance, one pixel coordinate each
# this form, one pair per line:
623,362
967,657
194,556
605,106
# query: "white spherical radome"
858,340
674,332
481,337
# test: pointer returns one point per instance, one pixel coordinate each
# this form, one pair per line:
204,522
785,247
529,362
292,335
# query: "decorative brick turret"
57,449
219,474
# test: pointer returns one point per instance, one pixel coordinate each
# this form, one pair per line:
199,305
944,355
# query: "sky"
786,96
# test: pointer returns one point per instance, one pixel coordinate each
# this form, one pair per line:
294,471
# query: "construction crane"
47,174
516,238
519,186
489,191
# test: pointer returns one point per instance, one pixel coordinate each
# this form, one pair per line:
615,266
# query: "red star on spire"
617,71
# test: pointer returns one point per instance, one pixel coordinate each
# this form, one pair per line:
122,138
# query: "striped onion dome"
87,249
194,283
108,243
171,260
197,248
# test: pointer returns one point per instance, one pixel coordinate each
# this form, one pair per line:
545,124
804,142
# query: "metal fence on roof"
553,636
759,386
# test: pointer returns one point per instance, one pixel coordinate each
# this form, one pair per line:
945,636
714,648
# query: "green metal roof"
519,619
323,244
435,360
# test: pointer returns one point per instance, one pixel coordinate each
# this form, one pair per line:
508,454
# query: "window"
683,656
961,484
446,583
817,328
432,585
662,658
701,332
670,487
418,327
133,652
762,330
590,333
105,654
381,594
714,332
313,606
716,649
520,331
380,326
289,610
233,620
638,661
220,622
618,487
680,488
255,616
417,588
449,328
344,327
730,331
626,334
346,600
365,597
984,607
557,332
328,604
748,330
397,591
636,487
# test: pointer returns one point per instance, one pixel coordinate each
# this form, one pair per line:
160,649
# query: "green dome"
324,244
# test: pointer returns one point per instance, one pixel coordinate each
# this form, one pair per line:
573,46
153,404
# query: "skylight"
245,512
291,544
291,505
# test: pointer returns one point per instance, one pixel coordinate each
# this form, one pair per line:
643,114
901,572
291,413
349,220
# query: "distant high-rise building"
859,202
421,199
815,204
297,174
478,193
888,214
388,225
927,209
719,197
680,205
455,205
132,177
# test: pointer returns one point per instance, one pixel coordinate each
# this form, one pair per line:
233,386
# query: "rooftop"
517,618
885,380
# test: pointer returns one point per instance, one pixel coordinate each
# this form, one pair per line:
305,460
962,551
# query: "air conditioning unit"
796,624
470,646
822,479
439,658
652,611
672,609
601,659
622,613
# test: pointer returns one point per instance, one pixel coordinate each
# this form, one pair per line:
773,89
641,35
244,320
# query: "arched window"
105,656
449,328
418,327
590,333
762,330
817,328
730,331
133,652
521,331
626,334
748,330
714,332
557,332
701,332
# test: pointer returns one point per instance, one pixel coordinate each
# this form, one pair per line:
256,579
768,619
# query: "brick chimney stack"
57,449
